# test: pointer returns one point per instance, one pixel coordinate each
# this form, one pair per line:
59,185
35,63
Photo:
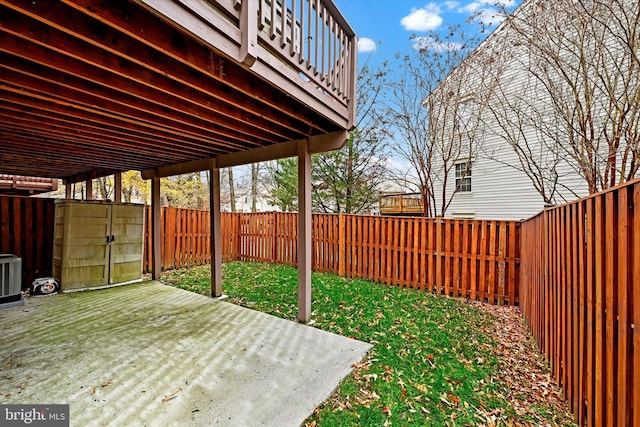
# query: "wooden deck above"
409,204
89,88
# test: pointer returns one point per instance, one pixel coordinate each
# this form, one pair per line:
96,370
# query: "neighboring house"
508,159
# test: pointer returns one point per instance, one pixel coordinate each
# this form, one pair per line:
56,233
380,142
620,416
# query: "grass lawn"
433,361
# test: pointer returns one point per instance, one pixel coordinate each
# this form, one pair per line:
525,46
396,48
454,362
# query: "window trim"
460,187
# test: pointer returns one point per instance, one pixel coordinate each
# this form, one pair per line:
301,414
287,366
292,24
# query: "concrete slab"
149,354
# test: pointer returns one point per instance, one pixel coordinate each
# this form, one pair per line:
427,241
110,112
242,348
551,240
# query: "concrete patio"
150,354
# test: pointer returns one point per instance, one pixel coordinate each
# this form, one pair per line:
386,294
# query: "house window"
463,177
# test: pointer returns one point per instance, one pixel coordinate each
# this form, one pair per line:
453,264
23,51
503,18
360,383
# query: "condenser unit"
10,278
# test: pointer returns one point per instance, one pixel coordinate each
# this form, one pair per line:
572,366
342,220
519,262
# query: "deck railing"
315,47
402,204
316,39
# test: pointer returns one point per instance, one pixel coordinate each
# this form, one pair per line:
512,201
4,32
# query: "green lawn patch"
432,362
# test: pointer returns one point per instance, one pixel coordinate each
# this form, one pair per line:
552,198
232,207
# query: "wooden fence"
575,273
471,259
26,229
580,294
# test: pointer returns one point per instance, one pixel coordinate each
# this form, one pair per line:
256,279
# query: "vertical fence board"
591,321
610,290
599,313
635,306
623,356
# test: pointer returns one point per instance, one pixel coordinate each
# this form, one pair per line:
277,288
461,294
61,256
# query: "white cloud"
451,4
490,16
424,19
499,3
366,45
429,43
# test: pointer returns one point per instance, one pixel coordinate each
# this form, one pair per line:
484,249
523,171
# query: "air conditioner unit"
10,278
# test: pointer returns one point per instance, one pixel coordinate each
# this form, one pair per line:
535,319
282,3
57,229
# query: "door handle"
111,238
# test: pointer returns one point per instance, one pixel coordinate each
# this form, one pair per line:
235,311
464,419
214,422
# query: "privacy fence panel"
464,258
580,262
26,230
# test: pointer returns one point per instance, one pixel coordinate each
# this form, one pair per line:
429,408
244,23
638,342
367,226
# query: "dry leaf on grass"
523,369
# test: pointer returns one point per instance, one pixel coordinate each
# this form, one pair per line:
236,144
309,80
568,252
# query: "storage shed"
97,244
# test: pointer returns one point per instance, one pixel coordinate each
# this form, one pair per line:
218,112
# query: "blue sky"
384,27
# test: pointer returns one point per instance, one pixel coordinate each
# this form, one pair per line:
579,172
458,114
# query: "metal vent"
10,278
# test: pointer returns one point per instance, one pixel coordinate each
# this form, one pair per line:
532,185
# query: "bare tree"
582,56
105,187
431,109
232,190
255,174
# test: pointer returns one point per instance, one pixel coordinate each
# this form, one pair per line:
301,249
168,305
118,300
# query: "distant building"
488,180
26,185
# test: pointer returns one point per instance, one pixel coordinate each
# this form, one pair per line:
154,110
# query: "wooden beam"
156,265
178,169
317,144
117,187
304,232
216,231
88,189
136,106
248,32
68,191
87,176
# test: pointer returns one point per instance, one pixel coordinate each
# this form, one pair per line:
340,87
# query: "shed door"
127,229
88,251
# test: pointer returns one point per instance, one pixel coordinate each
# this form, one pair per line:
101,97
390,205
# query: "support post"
117,187
88,189
68,191
216,231
248,31
156,265
304,232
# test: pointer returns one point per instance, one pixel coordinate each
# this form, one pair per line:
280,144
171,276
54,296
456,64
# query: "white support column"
216,231
304,232
117,187
156,264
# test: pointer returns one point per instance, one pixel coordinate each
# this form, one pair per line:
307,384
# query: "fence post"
274,244
341,245
439,284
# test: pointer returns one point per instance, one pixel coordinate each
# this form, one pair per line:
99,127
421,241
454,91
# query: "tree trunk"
232,191
255,169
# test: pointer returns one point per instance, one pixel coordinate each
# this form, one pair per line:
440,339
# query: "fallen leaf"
171,396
